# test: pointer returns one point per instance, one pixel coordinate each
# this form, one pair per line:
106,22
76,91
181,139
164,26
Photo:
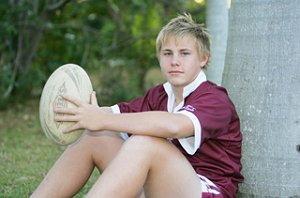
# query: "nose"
175,60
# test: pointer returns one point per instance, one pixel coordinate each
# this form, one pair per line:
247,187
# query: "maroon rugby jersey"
217,152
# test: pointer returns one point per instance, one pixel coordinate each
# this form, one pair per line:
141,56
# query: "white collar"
187,90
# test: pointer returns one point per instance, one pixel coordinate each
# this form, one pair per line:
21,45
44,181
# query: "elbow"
181,127
176,131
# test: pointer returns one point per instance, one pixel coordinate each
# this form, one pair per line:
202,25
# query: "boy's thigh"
170,175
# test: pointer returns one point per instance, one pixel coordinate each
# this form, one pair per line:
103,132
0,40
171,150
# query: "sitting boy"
182,137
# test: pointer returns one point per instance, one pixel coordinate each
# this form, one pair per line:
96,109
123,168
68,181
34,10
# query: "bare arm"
154,123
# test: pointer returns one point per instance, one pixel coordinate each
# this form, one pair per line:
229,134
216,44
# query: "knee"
139,141
143,144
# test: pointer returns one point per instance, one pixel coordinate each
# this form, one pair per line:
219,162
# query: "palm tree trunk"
262,74
217,24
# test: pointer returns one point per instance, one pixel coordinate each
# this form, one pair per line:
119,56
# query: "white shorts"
209,189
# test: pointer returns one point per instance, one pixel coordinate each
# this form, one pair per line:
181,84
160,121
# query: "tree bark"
217,24
262,75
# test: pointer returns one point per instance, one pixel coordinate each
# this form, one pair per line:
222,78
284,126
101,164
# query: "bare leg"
76,164
153,163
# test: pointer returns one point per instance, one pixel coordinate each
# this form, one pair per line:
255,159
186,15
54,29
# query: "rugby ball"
68,79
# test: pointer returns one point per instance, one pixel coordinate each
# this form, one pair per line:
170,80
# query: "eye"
185,53
167,53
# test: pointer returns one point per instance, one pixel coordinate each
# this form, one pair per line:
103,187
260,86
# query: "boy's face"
180,60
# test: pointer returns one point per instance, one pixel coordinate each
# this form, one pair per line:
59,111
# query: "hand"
85,116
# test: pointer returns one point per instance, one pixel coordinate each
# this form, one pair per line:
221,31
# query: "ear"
204,60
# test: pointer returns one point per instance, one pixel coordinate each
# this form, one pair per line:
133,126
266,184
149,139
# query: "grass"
26,154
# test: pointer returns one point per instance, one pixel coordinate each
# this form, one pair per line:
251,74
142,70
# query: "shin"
74,167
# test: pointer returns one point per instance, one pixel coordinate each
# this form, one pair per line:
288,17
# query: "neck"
178,92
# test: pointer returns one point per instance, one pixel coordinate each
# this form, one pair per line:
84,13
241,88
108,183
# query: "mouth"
175,72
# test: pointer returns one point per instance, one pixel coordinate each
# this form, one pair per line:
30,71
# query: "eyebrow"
184,49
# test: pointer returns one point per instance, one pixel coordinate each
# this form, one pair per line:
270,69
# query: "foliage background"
113,40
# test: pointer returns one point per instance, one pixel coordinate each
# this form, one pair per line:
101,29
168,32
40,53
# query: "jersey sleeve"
210,113
151,101
154,99
136,105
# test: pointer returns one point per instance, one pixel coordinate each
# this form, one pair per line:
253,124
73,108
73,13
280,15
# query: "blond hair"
184,25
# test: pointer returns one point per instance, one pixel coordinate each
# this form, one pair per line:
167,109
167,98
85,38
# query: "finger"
71,111
73,100
94,99
65,118
71,128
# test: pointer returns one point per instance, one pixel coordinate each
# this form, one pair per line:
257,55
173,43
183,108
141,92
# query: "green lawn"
25,153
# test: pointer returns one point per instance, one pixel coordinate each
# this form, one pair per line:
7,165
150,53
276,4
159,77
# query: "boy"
185,138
